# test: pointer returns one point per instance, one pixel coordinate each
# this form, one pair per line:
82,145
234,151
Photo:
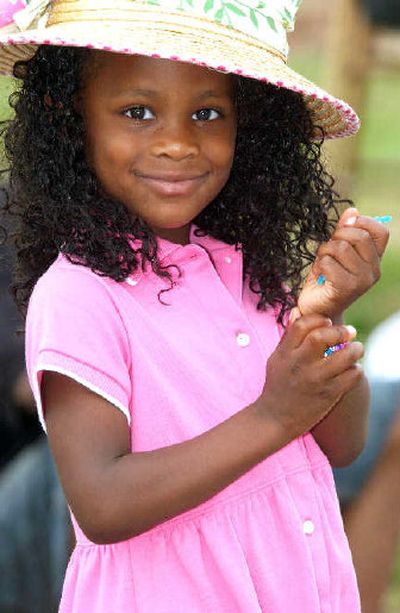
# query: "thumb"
295,313
348,217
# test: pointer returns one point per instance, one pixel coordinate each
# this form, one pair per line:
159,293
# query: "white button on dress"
308,527
228,260
131,281
243,339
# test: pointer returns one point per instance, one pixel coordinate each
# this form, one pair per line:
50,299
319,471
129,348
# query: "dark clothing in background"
34,520
18,427
384,12
34,533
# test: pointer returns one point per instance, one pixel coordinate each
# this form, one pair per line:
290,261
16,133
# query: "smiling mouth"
173,186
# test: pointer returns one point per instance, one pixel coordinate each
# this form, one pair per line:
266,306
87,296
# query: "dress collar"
226,259
172,251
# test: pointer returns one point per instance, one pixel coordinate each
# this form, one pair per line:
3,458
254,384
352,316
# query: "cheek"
223,156
108,152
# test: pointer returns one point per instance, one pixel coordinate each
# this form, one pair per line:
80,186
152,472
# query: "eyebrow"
209,93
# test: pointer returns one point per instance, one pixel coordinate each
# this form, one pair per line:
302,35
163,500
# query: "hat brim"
236,55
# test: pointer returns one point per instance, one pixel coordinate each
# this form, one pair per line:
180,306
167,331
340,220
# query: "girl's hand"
350,263
302,386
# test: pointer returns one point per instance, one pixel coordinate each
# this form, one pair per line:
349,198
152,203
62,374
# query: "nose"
176,141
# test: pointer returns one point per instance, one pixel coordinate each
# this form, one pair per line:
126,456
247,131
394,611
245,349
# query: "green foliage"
7,86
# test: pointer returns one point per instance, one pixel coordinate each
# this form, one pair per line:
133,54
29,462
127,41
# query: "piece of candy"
330,350
383,218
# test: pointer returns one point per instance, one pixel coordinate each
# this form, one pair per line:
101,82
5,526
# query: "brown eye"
139,113
206,115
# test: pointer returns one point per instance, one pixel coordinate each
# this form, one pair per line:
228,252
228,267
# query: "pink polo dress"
273,540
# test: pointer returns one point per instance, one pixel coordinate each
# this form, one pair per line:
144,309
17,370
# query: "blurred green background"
376,191
376,188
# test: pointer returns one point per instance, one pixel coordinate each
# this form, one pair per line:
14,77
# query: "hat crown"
265,20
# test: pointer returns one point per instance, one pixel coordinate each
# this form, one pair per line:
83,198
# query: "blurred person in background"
33,550
369,489
18,423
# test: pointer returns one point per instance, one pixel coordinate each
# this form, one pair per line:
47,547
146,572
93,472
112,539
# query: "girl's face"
160,136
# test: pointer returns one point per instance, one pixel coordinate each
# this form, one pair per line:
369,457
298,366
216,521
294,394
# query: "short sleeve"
74,327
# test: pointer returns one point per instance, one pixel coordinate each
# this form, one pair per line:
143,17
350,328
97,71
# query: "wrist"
338,319
275,433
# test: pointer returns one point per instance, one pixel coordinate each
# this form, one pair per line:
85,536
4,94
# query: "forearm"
342,433
140,490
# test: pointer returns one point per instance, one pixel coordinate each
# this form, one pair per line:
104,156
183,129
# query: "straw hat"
244,37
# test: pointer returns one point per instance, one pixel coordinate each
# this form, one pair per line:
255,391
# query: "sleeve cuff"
98,382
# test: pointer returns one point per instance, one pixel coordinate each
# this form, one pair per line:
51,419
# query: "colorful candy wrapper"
333,349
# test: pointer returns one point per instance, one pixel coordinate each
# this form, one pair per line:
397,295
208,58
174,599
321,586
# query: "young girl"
167,210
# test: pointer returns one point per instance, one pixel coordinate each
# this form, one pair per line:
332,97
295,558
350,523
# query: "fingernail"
321,280
351,221
383,218
352,331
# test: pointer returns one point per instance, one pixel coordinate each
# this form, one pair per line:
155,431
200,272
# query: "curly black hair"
279,202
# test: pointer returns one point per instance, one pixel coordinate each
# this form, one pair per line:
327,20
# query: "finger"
344,253
301,327
342,360
348,216
379,232
349,378
360,240
294,315
319,339
334,273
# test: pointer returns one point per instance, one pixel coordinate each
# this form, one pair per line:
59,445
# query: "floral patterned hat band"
244,37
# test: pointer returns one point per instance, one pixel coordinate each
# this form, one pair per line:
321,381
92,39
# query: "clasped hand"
350,263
